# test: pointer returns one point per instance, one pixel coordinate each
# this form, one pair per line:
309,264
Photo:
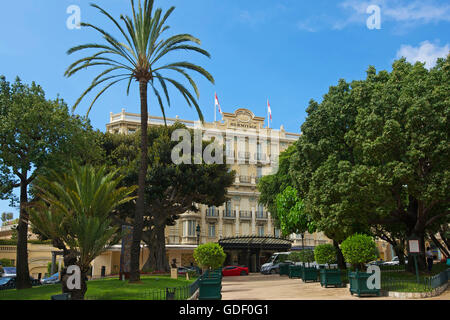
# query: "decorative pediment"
243,118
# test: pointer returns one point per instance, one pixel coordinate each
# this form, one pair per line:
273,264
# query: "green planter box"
358,284
310,274
284,269
330,277
295,271
210,288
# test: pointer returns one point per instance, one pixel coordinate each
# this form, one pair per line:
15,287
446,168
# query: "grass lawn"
105,289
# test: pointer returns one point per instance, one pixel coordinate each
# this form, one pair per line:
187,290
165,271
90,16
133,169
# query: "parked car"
7,283
376,263
10,282
394,262
273,266
8,272
234,271
53,279
183,270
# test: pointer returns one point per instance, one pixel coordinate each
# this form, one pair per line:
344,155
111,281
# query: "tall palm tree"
139,57
74,211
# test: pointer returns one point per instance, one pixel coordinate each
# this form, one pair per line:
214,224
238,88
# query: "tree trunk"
340,257
140,203
70,259
23,273
157,259
399,251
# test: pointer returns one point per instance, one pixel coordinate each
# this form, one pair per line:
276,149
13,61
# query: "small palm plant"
139,56
74,211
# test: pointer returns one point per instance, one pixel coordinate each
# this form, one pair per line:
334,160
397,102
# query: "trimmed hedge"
7,242
359,249
325,254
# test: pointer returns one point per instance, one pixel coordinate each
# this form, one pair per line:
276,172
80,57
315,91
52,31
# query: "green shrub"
325,254
209,256
359,249
295,257
6,262
306,256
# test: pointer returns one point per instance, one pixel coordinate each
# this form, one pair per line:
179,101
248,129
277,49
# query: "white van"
272,267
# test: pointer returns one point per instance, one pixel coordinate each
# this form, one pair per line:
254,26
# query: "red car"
234,271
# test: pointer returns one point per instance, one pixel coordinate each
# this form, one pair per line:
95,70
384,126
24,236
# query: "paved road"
274,287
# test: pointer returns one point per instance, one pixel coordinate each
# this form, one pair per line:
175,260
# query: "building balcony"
212,213
231,215
243,155
260,215
245,215
260,157
245,179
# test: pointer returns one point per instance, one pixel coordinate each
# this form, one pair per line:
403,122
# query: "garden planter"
295,271
310,274
330,277
358,284
284,269
210,285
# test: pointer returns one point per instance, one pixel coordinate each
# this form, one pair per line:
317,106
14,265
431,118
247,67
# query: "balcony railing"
229,214
260,156
245,215
243,155
245,179
212,213
260,215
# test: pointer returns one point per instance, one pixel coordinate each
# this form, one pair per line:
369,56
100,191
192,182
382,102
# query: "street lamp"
198,234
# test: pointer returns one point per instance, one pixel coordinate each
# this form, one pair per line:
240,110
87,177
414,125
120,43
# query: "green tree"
374,155
141,56
271,185
35,134
359,249
6,217
171,189
210,256
75,211
306,256
291,214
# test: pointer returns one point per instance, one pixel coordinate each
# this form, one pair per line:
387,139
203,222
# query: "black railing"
262,215
229,214
245,214
212,212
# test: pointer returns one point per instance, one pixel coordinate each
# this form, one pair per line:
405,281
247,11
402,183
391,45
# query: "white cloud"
427,52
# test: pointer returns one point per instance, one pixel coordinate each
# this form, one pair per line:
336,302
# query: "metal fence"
390,281
423,284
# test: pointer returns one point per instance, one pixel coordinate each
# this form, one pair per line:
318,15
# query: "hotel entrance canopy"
255,242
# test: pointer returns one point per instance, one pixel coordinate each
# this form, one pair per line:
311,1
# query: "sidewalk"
275,287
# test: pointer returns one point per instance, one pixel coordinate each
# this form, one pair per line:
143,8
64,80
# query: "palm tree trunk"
23,274
140,204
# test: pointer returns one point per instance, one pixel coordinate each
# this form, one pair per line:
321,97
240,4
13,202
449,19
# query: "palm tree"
139,57
74,211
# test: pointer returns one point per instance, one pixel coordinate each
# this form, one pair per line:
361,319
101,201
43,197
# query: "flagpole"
268,117
215,108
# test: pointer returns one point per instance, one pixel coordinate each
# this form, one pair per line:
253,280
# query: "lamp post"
198,234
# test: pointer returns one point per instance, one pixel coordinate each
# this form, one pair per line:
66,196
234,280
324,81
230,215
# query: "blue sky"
287,51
